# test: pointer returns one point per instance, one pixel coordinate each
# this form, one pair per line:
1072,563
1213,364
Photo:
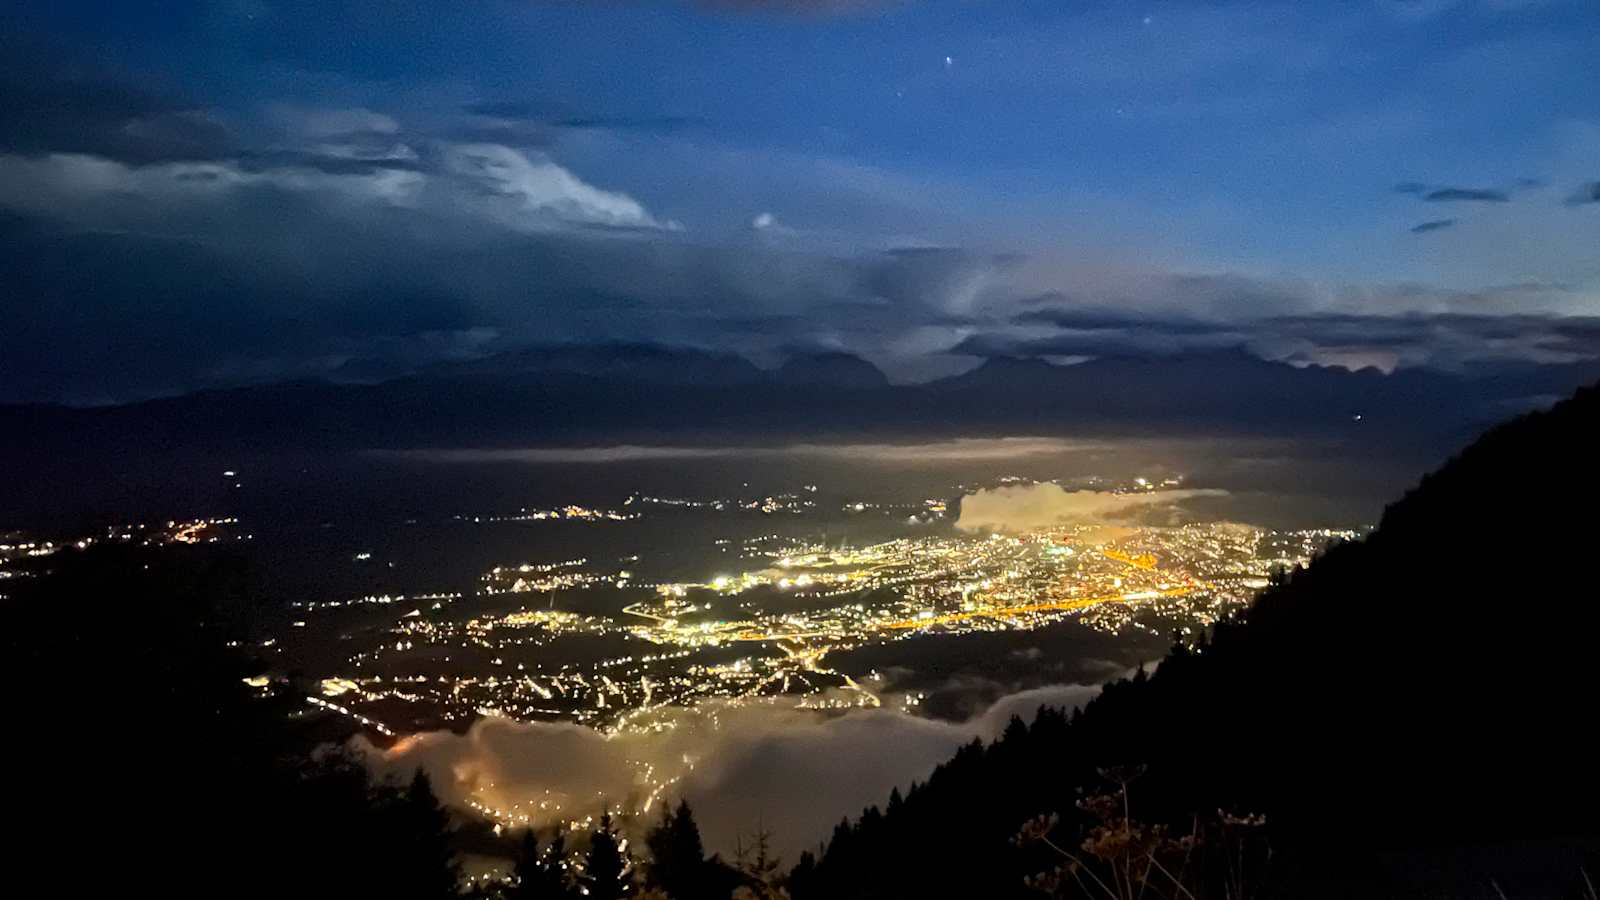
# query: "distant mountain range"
629,363
830,370
606,393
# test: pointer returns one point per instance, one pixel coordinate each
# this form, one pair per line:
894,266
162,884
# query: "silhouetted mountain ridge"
830,370
656,364
599,394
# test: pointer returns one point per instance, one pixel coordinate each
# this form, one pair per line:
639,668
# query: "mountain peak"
617,361
1005,371
830,368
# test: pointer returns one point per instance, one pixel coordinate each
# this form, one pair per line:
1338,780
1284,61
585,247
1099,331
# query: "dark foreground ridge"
1412,711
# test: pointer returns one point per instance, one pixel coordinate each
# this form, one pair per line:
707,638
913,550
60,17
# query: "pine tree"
429,865
556,872
759,866
541,875
803,881
678,860
607,871
526,868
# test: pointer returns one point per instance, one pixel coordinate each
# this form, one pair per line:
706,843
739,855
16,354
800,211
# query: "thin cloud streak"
1435,225
956,450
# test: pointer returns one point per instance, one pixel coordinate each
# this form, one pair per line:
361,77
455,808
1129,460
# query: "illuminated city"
810,600
776,619
768,631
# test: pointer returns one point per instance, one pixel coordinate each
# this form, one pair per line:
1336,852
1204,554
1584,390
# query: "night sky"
204,194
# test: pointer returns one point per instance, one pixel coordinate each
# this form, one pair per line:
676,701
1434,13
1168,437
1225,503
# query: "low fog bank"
789,770
1022,508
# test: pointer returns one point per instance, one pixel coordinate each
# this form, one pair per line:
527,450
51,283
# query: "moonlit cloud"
1034,507
74,185
529,191
957,450
324,123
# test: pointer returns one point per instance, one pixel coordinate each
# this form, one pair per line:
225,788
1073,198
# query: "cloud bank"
321,225
792,770
934,452
1032,507
1298,322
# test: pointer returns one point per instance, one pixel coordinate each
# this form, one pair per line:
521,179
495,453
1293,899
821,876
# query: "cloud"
511,240
532,119
523,251
768,226
1435,225
1454,194
354,152
1587,193
417,228
47,111
312,259
793,770
1033,507
957,450
319,123
1445,340
525,190
1092,318
1152,338
1300,321
942,279
1441,193
497,237
86,187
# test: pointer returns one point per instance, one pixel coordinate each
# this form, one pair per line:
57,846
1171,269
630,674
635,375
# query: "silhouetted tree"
758,866
607,871
677,857
424,858
541,875
803,877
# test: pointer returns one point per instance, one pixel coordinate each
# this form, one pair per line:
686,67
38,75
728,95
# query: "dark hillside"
1428,689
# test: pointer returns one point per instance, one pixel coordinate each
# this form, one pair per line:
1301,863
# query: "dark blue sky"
212,193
